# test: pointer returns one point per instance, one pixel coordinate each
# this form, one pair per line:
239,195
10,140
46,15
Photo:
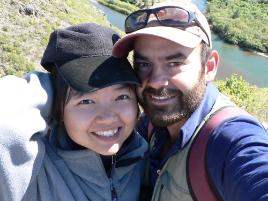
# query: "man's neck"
174,130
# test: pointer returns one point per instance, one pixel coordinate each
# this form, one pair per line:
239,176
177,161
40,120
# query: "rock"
28,10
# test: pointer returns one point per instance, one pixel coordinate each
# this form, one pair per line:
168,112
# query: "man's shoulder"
238,131
236,147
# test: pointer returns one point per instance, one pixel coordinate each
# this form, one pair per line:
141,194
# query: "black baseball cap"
82,55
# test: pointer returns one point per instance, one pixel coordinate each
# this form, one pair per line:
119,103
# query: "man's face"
173,80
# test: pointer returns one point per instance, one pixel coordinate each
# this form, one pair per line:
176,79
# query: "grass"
24,37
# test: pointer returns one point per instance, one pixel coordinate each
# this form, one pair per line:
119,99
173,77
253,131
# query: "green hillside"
25,27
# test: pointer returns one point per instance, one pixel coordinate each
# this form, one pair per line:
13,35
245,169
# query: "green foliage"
240,22
120,6
128,6
24,37
240,91
249,97
142,3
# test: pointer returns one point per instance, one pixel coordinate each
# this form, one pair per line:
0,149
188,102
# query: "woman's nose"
106,115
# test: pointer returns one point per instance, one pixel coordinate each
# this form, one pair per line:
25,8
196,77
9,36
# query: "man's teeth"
160,97
107,133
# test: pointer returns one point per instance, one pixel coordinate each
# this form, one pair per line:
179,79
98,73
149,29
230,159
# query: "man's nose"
157,77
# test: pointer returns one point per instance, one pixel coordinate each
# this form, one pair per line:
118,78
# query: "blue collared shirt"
232,149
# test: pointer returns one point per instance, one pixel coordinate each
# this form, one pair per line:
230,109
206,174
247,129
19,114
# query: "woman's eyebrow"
121,87
76,94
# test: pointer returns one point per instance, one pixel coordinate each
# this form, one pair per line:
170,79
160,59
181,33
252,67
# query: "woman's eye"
123,97
86,101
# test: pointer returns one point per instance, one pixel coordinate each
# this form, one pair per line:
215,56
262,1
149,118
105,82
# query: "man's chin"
160,120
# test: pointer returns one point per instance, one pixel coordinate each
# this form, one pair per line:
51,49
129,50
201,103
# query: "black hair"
60,93
205,53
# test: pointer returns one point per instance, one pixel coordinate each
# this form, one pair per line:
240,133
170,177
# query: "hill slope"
25,27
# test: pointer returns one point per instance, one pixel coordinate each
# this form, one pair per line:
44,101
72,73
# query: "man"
174,60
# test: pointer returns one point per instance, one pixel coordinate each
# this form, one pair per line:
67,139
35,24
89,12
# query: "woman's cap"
82,55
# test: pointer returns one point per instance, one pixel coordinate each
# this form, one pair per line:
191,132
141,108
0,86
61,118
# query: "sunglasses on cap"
171,16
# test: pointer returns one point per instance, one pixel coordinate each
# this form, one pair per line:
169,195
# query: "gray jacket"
36,167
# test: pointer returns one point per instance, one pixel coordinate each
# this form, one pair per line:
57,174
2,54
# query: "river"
252,67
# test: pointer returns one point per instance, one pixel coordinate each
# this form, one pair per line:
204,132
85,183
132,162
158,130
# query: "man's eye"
123,97
86,101
175,64
142,65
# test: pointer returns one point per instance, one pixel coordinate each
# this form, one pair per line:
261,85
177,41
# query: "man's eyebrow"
139,56
176,56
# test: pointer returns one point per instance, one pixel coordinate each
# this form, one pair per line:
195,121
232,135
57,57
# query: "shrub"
249,97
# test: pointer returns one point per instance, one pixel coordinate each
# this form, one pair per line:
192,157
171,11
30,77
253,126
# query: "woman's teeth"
107,133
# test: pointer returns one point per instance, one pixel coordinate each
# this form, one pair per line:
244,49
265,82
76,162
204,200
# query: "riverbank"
119,6
261,54
242,22
229,23
243,39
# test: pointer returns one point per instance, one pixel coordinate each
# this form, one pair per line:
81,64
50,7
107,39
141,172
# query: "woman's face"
101,120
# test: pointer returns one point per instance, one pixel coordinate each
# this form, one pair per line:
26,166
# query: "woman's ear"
212,66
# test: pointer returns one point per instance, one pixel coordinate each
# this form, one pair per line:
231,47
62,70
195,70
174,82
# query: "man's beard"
186,104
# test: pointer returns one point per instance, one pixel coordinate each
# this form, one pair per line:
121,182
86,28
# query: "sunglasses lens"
135,21
168,16
173,16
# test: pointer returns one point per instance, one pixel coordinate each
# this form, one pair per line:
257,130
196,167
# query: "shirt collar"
187,130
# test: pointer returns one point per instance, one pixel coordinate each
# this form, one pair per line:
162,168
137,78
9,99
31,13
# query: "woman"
89,151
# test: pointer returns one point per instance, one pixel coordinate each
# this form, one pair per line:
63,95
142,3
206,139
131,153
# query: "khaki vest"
171,184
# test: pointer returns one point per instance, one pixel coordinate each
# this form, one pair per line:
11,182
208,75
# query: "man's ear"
212,66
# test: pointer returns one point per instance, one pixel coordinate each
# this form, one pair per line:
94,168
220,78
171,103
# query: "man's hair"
205,53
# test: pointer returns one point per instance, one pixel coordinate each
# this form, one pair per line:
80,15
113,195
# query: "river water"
252,67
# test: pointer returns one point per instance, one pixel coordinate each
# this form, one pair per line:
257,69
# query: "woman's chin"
112,150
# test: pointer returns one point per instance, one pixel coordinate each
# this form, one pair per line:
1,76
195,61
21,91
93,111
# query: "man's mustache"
163,91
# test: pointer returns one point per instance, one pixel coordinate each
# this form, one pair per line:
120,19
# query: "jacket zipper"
112,188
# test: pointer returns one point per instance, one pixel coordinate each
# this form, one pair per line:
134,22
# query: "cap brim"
182,37
92,73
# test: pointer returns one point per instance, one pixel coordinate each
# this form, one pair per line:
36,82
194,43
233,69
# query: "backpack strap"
200,187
